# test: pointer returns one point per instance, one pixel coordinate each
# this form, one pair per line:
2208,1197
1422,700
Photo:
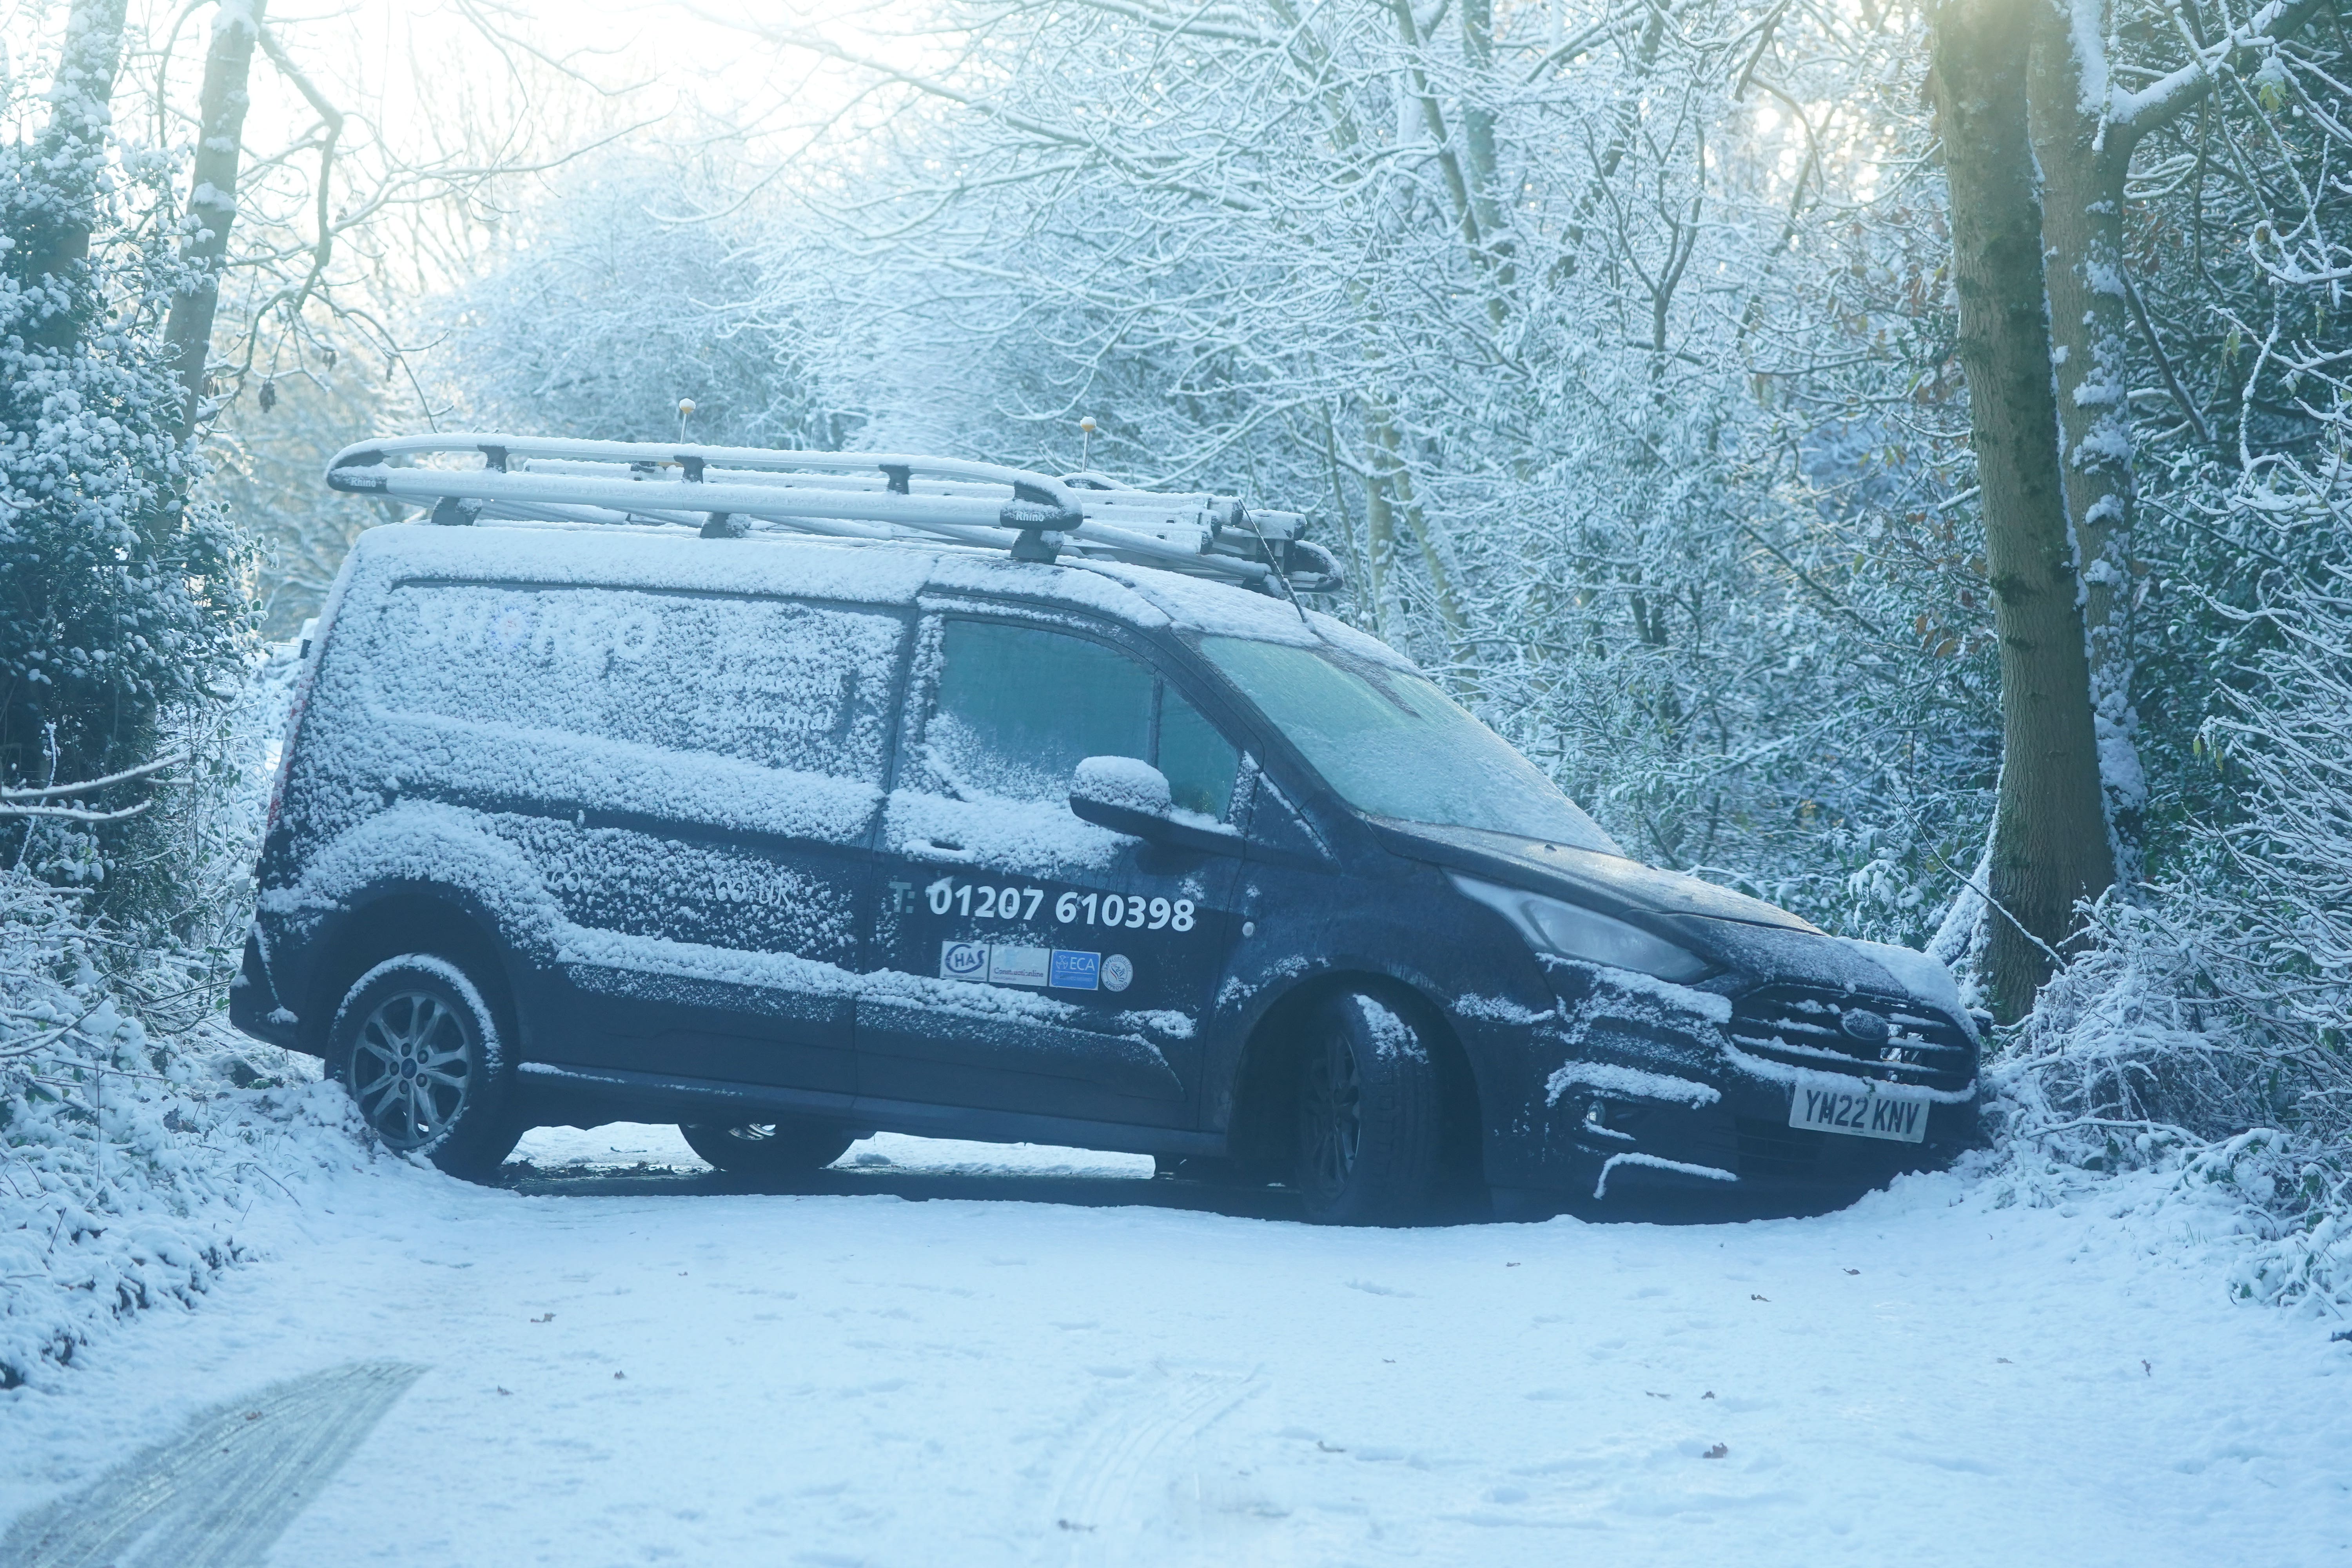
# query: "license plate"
1867,1112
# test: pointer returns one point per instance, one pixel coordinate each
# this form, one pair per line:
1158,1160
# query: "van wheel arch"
420,921
1265,1083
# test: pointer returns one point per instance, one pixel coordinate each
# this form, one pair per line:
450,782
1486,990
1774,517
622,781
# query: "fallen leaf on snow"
1718,1451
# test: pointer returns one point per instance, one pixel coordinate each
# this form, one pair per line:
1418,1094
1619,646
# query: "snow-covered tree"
620,296
122,607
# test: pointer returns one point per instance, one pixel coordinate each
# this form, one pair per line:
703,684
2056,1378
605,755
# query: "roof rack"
728,492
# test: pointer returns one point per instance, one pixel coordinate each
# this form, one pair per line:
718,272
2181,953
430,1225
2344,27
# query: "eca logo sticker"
964,961
1076,971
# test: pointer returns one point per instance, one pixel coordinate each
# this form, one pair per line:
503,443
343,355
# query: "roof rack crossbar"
724,490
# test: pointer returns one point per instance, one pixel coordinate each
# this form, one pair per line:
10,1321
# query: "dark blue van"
787,840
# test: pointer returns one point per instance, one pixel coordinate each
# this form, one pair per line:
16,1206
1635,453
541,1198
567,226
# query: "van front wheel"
1369,1115
422,1054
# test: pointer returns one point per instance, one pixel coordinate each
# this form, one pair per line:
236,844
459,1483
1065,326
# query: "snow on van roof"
615,556
860,571
1216,609
987,571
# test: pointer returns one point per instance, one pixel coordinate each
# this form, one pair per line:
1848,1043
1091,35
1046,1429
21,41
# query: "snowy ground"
633,1367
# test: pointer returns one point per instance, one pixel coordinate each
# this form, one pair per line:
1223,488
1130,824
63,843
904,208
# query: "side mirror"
1133,797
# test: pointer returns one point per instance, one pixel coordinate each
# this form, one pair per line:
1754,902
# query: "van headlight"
1553,925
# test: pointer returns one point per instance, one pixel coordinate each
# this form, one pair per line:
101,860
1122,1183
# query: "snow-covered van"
787,838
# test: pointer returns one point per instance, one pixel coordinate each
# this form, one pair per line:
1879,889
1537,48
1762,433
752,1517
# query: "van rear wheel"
1369,1121
422,1054
768,1148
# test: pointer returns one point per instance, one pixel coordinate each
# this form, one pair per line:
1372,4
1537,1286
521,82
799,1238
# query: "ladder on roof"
728,492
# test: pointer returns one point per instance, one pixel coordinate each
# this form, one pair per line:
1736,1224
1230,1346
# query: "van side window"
1020,707
1200,763
798,687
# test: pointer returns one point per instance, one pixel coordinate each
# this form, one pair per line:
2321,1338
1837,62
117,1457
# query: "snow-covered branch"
36,802
2170,96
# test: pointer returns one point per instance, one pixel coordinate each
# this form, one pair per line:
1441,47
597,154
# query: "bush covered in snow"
2213,1022
112,1193
122,603
136,1131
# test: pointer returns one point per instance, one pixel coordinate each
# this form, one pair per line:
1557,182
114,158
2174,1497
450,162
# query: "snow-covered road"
663,1375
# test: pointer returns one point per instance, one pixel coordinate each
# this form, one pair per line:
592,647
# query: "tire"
424,1056
770,1149
1369,1115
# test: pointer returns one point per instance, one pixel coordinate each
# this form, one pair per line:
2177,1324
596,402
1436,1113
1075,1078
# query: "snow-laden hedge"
137,1131
2210,1027
129,1158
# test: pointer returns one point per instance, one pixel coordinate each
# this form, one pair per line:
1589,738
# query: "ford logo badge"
1870,1028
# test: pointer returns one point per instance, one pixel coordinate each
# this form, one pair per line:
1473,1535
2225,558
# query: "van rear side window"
773,681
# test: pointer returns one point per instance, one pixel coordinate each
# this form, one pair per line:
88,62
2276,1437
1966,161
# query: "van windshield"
1391,744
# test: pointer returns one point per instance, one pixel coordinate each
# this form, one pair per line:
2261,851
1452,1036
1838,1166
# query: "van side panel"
662,799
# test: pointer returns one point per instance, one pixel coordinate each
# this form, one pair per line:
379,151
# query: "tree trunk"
2082,143
1380,539
211,199
2049,831
1396,483
71,156
1478,135
2082,160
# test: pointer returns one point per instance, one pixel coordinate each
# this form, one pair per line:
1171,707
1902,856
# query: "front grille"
1804,1026
1775,1151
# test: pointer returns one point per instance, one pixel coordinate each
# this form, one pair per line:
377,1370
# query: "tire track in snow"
221,1495
1098,1502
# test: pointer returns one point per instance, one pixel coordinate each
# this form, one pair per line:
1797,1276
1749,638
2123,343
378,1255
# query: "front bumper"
1740,1147
1626,1094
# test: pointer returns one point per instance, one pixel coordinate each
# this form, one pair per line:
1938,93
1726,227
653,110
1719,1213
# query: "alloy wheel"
1331,1109
412,1068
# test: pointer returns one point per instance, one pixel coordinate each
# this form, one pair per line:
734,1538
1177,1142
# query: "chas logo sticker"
964,961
